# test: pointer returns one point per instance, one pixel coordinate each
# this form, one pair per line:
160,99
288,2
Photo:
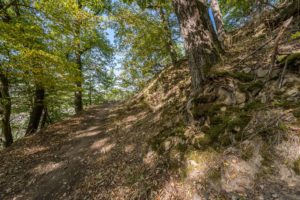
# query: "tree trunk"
90,93
198,36
37,111
78,94
45,117
169,42
286,10
218,20
5,103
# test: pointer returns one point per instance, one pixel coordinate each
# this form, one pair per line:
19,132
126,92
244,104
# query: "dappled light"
34,150
46,168
149,100
87,134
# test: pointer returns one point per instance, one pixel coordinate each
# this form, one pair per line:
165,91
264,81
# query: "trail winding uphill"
92,156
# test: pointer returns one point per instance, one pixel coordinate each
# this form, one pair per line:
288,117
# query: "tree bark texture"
78,93
45,118
37,110
198,36
5,104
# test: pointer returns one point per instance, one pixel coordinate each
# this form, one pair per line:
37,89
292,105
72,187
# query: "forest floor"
104,154
90,156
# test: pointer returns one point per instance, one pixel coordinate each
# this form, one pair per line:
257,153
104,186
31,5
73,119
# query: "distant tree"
149,36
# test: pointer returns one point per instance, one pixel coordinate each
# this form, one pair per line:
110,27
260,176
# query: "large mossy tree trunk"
170,46
199,39
5,103
37,110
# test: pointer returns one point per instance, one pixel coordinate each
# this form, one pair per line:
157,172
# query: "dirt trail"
92,156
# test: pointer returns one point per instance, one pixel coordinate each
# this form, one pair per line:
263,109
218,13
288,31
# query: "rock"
196,197
226,97
237,175
247,70
223,109
261,73
263,97
240,97
274,195
167,145
261,197
292,92
237,129
193,163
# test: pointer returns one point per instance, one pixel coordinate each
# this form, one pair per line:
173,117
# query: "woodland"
150,99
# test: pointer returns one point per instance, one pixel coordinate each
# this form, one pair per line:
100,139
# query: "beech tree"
199,40
148,37
5,99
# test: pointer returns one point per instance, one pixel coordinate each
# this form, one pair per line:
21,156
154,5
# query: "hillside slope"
242,143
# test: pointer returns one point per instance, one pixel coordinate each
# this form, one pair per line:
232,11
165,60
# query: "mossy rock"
286,104
241,76
296,166
251,87
232,121
206,110
157,141
205,99
296,113
202,142
290,58
214,174
254,105
247,152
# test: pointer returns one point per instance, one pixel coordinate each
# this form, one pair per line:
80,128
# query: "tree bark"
37,110
45,118
218,20
169,42
78,93
90,93
5,103
198,36
290,8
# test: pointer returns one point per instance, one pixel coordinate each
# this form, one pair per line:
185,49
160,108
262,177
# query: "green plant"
296,166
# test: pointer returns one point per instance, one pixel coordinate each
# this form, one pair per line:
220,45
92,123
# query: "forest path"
97,155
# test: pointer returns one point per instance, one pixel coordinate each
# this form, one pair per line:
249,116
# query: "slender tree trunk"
198,38
78,94
37,110
90,94
5,103
218,20
169,42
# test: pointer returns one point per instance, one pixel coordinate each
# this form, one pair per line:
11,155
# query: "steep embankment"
243,142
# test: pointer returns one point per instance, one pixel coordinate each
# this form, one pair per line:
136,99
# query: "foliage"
142,39
39,40
237,12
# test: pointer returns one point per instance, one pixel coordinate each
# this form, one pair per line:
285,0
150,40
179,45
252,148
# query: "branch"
278,38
